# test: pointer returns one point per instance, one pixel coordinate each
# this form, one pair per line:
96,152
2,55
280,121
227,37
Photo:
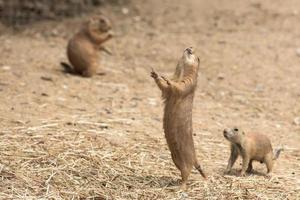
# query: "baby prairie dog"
251,147
178,95
83,47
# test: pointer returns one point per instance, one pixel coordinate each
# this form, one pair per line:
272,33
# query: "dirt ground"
68,137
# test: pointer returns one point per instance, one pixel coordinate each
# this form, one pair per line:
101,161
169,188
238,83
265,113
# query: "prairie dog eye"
102,21
236,129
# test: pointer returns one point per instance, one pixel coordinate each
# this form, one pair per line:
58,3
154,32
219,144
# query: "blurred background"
21,12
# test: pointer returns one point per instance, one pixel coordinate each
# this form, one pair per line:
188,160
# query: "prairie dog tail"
67,68
276,153
198,167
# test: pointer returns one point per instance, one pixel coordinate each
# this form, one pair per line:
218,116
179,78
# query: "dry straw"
58,160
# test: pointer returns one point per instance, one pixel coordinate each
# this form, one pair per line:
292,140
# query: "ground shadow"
68,69
236,172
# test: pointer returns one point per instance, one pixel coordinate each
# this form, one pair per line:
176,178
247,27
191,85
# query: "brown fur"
83,47
251,147
178,94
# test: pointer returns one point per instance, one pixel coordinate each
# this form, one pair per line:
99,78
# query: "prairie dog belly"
178,130
178,117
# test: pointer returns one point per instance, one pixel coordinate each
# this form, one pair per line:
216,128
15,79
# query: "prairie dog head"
188,64
188,57
99,24
233,135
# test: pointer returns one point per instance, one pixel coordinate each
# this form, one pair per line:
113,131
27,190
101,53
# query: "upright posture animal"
251,147
83,47
178,95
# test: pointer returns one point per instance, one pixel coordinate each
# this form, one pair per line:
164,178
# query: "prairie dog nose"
226,132
189,50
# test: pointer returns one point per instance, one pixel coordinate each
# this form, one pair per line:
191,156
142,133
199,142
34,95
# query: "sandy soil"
65,137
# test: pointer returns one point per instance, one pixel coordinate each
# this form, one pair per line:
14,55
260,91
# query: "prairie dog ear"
92,21
89,23
243,132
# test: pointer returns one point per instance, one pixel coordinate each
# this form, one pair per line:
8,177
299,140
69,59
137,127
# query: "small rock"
222,93
152,101
298,51
44,94
297,121
65,87
125,11
54,32
61,99
278,126
6,68
69,123
221,76
46,78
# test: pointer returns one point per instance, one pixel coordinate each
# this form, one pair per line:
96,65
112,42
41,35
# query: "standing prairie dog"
83,47
178,95
251,147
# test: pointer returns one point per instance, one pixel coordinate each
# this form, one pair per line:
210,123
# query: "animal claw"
154,74
165,79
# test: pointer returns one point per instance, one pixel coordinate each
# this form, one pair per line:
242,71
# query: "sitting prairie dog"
178,94
83,47
251,147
